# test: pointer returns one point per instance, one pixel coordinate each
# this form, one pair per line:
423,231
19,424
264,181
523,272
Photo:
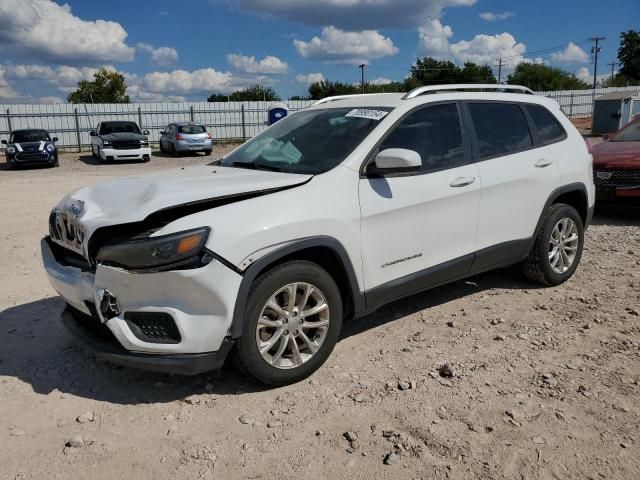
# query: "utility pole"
361,67
500,65
613,71
595,50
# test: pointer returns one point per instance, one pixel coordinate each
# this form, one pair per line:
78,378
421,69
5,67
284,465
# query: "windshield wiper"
257,166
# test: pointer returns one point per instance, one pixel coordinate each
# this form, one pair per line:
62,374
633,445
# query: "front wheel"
558,247
292,323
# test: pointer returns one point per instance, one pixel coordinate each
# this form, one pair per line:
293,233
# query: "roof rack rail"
342,97
416,92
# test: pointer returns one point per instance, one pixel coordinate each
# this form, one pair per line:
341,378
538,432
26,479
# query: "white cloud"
492,17
335,45
183,82
268,65
380,81
46,30
571,54
481,49
309,78
352,14
6,90
64,77
162,56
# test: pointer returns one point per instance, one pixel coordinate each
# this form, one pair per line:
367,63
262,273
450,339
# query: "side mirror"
162,132
55,139
400,159
4,142
145,132
93,133
605,137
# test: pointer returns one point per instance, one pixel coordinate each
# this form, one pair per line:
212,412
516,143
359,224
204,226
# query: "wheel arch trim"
272,258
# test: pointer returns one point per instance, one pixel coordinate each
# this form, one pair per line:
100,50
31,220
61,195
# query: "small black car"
31,147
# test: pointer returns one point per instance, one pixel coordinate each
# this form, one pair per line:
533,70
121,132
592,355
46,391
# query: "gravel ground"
487,378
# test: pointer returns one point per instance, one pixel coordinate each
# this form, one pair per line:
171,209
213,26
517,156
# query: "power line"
595,50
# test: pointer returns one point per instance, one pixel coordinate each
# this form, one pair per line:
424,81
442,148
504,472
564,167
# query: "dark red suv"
616,167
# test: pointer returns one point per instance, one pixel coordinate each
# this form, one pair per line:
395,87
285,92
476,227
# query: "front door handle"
543,162
462,181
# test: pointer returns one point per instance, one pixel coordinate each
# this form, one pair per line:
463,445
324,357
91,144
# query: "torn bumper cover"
181,364
174,321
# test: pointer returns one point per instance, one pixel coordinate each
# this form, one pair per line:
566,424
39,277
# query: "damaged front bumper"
175,321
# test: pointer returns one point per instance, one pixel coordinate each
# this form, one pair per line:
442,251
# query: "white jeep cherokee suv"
325,216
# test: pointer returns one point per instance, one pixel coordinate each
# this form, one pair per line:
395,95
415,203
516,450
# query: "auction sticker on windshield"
367,113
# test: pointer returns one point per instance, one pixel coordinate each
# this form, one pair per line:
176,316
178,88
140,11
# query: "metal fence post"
191,114
244,125
9,120
75,114
139,116
571,106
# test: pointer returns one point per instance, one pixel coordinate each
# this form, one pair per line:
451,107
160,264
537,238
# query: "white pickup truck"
120,140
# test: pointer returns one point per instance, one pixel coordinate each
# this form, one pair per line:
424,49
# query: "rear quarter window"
501,128
547,125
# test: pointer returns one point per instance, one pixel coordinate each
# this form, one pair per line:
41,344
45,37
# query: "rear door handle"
543,162
462,181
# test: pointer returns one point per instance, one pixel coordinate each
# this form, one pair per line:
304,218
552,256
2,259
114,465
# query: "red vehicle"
616,166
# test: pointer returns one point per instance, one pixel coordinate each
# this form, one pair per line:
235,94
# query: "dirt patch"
487,378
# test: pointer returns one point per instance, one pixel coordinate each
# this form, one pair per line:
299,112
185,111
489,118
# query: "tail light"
179,137
587,140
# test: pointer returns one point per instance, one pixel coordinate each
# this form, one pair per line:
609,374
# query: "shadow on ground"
35,348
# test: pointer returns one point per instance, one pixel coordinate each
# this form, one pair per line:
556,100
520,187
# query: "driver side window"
435,133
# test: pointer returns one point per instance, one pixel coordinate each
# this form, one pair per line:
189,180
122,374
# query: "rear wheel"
558,247
174,152
162,150
291,324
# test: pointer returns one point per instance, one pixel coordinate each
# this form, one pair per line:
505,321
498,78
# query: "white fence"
226,121
579,103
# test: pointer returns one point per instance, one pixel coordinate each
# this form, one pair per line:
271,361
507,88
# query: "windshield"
311,142
118,127
30,136
631,133
191,129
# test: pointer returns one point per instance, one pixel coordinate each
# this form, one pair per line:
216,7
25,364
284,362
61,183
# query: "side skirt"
497,256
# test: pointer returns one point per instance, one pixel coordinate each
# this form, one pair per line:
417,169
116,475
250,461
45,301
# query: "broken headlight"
176,251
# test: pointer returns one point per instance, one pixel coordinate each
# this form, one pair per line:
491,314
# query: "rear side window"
435,133
549,129
191,129
501,128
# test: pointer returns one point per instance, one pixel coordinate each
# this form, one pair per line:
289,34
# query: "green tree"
431,71
544,78
106,87
629,54
327,88
254,93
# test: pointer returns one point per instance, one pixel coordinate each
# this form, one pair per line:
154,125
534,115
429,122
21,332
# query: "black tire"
10,166
174,152
161,147
246,351
537,266
93,153
208,152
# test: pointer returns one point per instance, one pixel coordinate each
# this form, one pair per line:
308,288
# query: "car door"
418,229
518,175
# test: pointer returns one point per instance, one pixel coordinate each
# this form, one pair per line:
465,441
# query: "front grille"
92,324
68,258
126,145
609,178
153,327
31,156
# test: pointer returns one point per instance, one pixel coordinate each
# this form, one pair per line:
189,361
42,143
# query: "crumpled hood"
123,136
132,199
616,155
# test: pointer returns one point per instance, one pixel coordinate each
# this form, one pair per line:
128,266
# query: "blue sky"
183,50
